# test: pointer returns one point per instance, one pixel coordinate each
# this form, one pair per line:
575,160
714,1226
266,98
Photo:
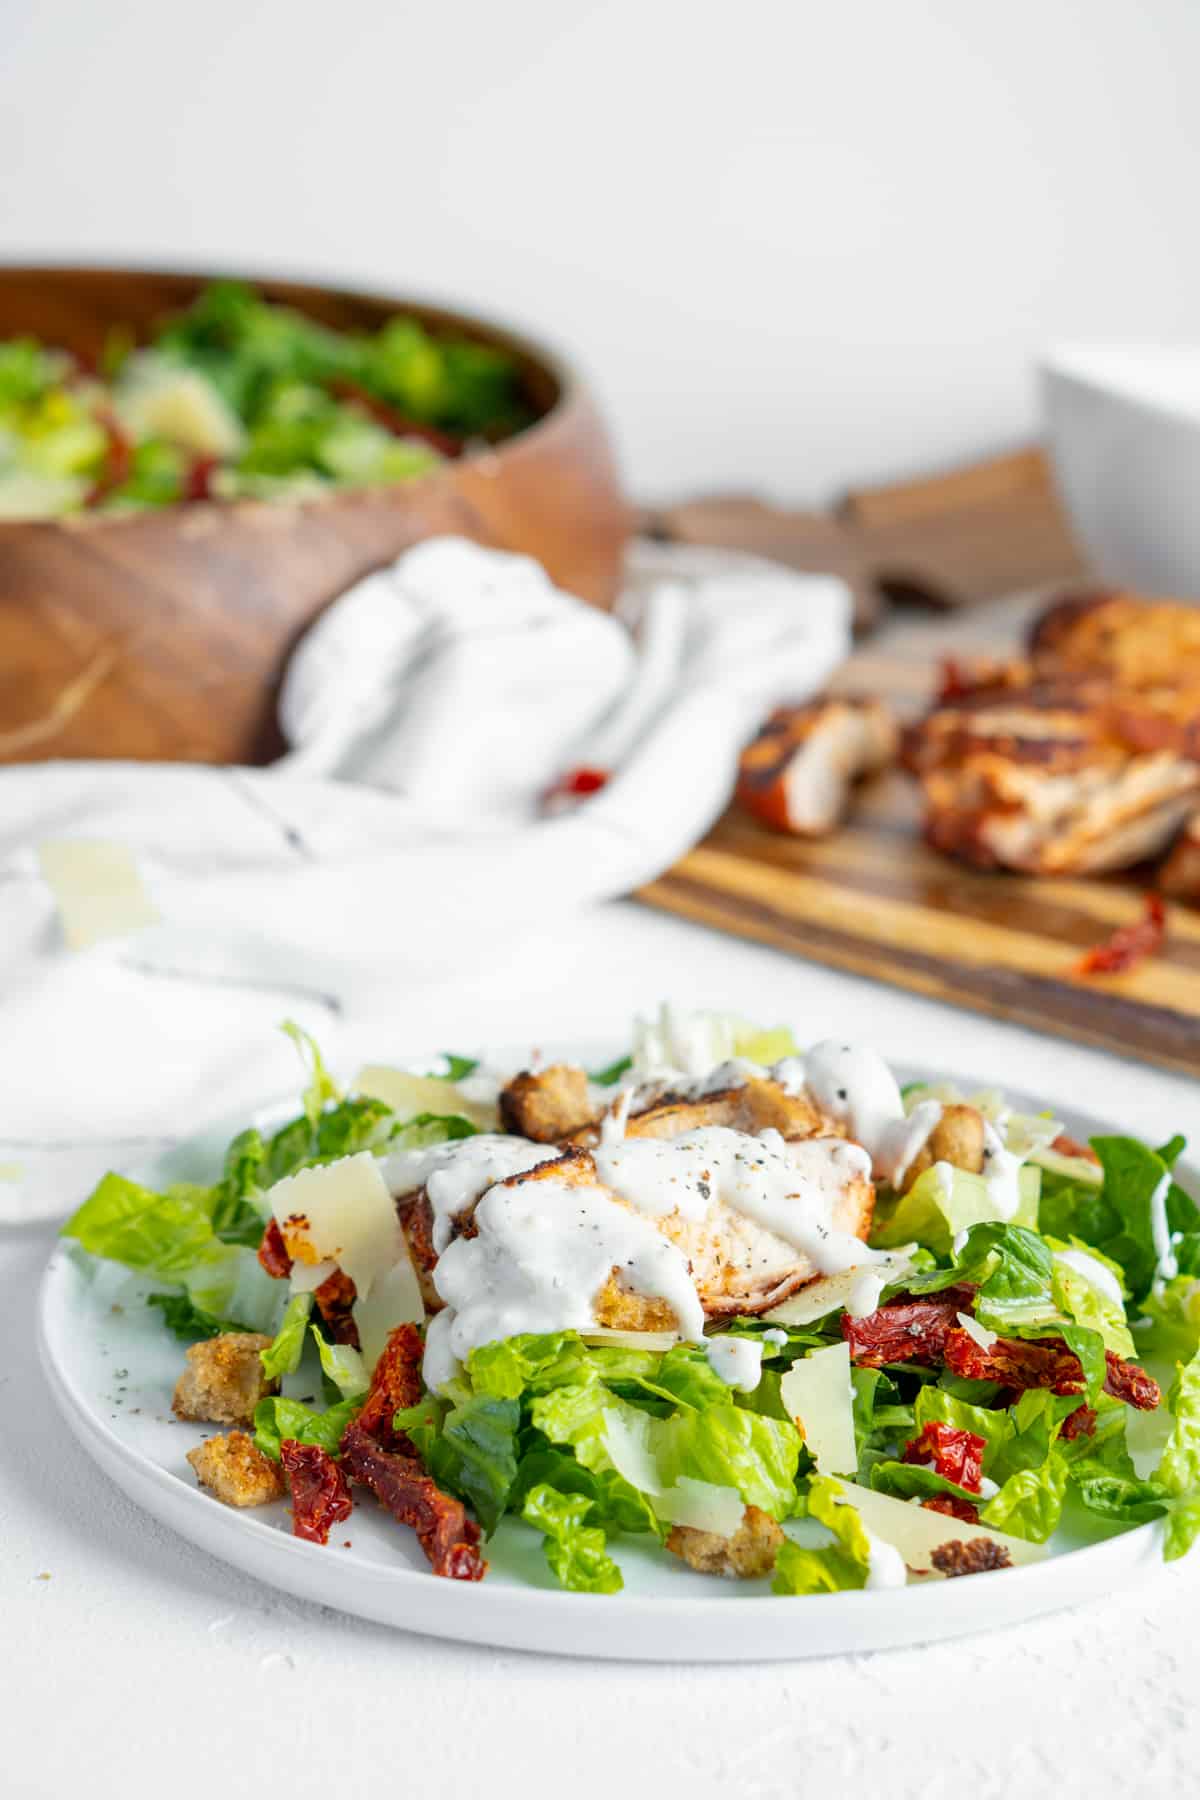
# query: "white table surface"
132,1664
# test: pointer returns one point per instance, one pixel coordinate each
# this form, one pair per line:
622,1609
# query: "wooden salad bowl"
163,635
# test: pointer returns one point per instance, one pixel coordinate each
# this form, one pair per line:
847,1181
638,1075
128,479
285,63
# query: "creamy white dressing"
988,1489
1001,1168
790,1189
885,1565
1167,1266
1093,1271
544,1250
855,1085
738,1361
456,1173
775,1336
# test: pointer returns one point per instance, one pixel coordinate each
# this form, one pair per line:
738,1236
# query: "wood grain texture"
872,898
163,635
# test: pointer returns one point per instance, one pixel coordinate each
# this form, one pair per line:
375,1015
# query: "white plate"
111,1367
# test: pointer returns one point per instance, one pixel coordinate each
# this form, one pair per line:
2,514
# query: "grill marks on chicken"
1081,758
798,774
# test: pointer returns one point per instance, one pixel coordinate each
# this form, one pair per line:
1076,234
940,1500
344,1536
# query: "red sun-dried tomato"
953,1507
906,1330
449,1538
956,1455
395,1384
392,419
1080,1423
1018,1363
1128,944
1047,1363
1125,1381
198,481
320,1493
335,1297
118,459
1066,1145
272,1252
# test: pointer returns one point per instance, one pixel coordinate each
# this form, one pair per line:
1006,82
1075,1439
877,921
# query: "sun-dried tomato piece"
956,1455
1128,944
198,482
953,1507
272,1252
334,1298
1080,1423
395,1384
1066,1145
449,1538
118,459
975,1557
1018,1363
906,1330
1125,1381
320,1493
398,423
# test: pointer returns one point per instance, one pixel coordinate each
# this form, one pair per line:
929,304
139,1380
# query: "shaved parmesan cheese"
342,1213
627,1440
982,1336
97,889
701,1506
605,1336
307,1277
160,399
851,1289
408,1095
916,1532
698,1504
394,1299
819,1396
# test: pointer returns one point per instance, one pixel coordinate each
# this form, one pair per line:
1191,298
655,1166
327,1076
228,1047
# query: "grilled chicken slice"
737,1265
1180,874
1138,642
798,773
556,1106
757,1105
1062,774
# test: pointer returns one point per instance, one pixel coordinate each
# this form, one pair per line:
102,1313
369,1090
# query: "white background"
798,244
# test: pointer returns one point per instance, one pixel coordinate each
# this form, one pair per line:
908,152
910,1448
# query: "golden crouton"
548,1105
224,1379
957,1138
750,1552
236,1471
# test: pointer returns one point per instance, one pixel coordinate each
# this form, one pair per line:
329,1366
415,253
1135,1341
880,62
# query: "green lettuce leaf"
283,1354
343,1365
322,1090
729,1446
612,1073
189,1322
1173,1312
841,1565
933,1216
574,1549
277,1419
470,1449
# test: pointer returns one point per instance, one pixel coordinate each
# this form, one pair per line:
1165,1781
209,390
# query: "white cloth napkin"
429,711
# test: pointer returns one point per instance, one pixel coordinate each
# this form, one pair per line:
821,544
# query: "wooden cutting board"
872,898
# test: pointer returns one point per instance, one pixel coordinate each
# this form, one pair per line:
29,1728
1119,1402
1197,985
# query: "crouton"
547,1106
224,1380
750,1552
957,1138
238,1473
